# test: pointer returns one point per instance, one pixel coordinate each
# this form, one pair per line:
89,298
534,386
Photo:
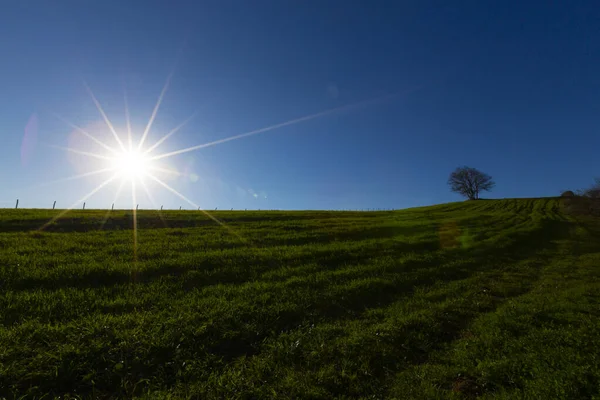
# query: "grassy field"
495,298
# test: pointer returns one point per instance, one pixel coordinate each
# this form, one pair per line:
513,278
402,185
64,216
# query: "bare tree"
469,182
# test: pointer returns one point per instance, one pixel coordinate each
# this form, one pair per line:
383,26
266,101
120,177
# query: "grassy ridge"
495,298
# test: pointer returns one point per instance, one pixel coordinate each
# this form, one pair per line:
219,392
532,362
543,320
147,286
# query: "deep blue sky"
509,87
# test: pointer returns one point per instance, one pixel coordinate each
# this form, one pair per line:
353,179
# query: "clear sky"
508,87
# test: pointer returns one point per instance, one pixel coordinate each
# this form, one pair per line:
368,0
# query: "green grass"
495,298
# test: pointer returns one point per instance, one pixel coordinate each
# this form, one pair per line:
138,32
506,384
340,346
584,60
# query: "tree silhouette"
468,182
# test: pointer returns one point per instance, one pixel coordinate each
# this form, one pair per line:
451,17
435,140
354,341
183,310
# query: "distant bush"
593,192
568,193
585,201
582,205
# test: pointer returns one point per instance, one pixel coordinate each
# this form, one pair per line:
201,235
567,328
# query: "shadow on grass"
231,337
83,224
151,220
355,235
351,301
211,271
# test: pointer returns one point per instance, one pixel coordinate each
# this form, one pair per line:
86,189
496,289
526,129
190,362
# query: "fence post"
54,205
84,205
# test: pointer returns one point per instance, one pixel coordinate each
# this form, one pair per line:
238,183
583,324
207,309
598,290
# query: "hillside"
494,298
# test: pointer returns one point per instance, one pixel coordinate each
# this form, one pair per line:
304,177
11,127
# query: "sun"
131,164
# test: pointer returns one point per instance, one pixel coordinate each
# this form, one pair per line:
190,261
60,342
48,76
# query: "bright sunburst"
131,164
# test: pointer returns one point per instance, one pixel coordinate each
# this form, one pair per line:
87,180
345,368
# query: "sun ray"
128,120
75,177
110,210
108,123
155,111
63,212
154,204
172,132
175,192
134,210
277,126
86,133
85,153
169,188
165,170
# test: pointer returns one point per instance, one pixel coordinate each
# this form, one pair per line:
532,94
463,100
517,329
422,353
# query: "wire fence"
137,207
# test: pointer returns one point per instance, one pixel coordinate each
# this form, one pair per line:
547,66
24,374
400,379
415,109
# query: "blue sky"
511,88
